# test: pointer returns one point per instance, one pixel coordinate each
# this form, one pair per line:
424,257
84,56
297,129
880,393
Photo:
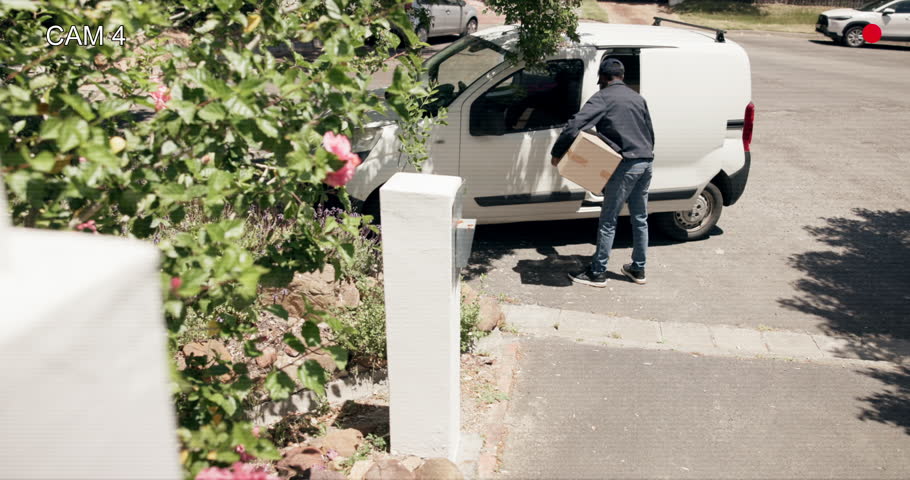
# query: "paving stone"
837,347
739,340
791,344
530,316
637,331
691,336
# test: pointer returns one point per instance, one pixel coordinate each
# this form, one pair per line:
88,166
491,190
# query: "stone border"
506,351
707,339
353,387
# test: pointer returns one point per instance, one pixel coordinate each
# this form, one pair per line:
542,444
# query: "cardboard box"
589,162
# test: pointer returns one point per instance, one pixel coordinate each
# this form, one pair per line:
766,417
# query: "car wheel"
853,37
470,28
696,223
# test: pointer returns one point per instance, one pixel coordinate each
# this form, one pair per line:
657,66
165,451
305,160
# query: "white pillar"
84,385
422,301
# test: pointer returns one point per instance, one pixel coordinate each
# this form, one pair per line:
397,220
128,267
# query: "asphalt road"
584,411
820,241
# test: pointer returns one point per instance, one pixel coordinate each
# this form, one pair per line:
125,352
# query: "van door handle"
440,142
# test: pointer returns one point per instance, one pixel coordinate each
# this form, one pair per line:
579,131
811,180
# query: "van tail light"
749,120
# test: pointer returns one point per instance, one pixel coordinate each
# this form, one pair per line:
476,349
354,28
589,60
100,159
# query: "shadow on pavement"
861,291
493,242
891,406
870,46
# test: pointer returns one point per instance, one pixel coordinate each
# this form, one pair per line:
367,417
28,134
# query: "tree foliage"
204,119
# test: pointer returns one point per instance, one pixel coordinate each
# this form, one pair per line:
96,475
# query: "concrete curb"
706,339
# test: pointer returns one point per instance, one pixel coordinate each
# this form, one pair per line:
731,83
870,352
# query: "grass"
748,16
590,10
490,394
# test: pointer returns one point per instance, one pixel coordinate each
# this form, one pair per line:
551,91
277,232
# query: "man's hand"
554,161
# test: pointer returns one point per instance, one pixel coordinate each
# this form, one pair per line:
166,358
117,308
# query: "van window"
458,66
530,100
903,7
631,61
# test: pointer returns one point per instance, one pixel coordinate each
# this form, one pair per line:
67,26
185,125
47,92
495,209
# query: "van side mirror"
888,11
486,119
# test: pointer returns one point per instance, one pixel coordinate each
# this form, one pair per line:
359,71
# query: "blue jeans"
629,183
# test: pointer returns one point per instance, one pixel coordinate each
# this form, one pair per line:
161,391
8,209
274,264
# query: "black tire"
470,27
696,223
853,36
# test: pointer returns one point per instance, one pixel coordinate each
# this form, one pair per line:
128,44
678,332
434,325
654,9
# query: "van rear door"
687,101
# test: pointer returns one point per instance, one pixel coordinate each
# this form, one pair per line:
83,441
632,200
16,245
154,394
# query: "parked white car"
845,25
503,120
446,17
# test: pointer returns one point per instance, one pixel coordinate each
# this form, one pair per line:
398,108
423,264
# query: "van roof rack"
718,34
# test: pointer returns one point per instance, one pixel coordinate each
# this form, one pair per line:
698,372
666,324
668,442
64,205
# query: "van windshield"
459,65
873,5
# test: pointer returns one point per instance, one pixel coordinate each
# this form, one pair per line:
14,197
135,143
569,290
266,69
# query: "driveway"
819,242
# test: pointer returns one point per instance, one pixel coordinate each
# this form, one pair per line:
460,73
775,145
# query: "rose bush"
204,121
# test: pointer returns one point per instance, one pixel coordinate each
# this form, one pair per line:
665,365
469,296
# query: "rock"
290,351
388,469
319,288
345,442
268,358
324,359
212,351
412,463
491,316
468,293
299,459
326,475
438,469
360,469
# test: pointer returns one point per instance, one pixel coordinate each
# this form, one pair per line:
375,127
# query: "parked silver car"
434,18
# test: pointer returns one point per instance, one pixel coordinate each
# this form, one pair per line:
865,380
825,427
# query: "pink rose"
89,225
239,471
341,177
175,283
244,457
162,95
340,146
256,431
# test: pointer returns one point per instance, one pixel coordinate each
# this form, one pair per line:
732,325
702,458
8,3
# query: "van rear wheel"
696,223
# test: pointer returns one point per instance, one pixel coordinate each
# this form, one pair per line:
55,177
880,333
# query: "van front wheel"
696,223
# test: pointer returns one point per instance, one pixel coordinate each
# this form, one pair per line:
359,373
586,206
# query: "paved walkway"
582,411
706,339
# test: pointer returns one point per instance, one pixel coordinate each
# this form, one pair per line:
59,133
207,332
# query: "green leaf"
310,332
278,311
192,281
78,104
43,162
292,341
168,148
18,5
212,112
113,107
225,5
71,133
313,376
101,155
236,107
333,10
267,127
41,81
339,354
279,385
347,250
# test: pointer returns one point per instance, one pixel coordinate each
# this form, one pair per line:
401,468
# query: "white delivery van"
503,119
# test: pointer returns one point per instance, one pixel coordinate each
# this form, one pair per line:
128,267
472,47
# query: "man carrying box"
621,117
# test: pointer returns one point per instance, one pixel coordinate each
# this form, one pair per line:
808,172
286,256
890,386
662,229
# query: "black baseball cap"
612,66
